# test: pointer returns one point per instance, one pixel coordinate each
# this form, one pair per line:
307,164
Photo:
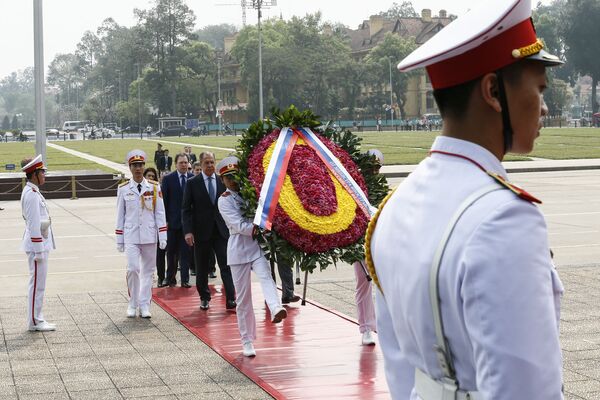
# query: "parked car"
173,130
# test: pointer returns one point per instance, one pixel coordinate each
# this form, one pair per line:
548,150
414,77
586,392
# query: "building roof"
372,31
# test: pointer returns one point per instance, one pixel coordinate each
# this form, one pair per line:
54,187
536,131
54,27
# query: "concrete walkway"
399,171
102,161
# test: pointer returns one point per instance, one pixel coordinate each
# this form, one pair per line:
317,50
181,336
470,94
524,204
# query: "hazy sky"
65,21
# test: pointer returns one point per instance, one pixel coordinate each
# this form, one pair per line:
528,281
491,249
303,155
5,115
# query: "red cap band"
490,56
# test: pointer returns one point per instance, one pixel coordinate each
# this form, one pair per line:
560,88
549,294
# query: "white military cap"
34,165
378,155
228,165
136,156
491,36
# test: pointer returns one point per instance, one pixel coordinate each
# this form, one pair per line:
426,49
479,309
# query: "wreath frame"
272,243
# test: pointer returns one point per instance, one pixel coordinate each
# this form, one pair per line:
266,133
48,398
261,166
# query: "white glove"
120,247
39,257
162,244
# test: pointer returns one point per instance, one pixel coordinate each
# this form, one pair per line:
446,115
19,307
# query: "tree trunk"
594,98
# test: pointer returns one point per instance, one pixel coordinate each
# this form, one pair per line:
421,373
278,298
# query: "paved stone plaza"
97,353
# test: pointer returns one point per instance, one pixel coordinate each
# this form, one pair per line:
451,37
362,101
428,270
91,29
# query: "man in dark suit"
191,156
205,229
173,186
165,162
157,157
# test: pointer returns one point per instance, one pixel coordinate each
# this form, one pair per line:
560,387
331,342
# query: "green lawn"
398,147
13,153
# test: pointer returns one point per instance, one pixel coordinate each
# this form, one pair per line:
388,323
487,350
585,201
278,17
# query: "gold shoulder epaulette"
370,230
125,182
515,189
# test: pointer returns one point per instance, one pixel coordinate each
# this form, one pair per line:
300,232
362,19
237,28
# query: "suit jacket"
199,215
165,163
157,155
173,197
192,157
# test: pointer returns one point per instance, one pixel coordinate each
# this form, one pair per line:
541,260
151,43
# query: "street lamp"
259,5
139,100
219,102
120,99
391,94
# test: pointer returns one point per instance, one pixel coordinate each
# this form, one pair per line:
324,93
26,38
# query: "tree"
6,123
170,24
556,96
303,65
215,35
581,30
62,72
403,10
390,50
15,122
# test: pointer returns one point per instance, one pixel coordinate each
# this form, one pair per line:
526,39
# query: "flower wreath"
316,220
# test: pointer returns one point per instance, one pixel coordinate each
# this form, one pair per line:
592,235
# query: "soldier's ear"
488,88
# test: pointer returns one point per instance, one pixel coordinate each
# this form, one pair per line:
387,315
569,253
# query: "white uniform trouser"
243,290
364,300
141,262
37,286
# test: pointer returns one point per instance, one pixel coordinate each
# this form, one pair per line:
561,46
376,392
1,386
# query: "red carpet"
315,353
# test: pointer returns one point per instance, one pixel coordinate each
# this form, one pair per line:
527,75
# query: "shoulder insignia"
125,182
226,194
152,182
515,189
368,235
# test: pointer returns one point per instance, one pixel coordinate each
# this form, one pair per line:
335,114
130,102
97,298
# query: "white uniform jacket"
499,291
140,215
35,212
241,247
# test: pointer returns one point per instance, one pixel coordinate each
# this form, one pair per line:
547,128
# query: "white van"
70,126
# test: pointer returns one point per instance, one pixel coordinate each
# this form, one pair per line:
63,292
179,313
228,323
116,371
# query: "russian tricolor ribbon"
277,170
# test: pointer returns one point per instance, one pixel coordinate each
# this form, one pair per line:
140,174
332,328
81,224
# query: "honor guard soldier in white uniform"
140,222
468,299
37,240
244,255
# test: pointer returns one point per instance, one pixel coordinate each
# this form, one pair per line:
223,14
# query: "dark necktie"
139,188
182,181
211,190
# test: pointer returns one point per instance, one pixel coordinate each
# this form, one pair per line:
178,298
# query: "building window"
429,101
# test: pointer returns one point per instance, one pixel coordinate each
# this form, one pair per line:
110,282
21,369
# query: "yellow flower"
289,201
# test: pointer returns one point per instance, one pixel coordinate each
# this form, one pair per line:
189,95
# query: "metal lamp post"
391,94
219,102
139,101
40,112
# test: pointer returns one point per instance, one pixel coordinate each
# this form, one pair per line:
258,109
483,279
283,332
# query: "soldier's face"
208,165
137,171
39,177
230,182
527,107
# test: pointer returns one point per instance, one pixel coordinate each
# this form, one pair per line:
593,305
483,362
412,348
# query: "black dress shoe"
292,299
186,285
212,275
161,284
204,304
192,272
172,284
231,304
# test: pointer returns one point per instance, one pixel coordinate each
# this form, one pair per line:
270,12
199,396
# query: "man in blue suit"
173,186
